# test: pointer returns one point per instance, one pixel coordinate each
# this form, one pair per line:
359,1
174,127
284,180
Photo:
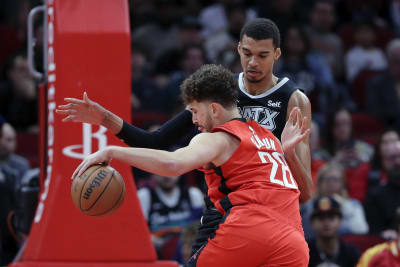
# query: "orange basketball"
99,191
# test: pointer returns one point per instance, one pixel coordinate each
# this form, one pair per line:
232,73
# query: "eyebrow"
262,52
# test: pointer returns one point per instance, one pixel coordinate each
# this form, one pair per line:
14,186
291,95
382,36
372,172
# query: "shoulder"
371,253
17,159
299,99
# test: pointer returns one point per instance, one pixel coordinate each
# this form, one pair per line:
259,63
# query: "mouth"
252,73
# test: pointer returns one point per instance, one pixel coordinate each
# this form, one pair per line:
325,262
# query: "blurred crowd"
345,55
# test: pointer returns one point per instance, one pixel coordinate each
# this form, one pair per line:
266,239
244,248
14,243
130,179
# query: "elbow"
173,168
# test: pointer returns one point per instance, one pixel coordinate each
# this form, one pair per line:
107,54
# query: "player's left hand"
99,157
295,131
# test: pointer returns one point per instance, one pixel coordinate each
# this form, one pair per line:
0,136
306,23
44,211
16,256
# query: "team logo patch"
262,115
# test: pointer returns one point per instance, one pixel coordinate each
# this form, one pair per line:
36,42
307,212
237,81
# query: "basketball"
99,191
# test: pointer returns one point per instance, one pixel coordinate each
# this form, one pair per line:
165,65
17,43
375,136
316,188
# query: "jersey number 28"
277,159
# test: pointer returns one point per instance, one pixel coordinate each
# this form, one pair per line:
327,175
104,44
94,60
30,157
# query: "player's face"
201,115
257,58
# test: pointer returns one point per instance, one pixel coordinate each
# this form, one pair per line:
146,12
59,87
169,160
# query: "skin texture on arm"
165,163
300,161
88,111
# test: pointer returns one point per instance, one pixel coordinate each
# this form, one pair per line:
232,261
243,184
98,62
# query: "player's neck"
260,87
230,115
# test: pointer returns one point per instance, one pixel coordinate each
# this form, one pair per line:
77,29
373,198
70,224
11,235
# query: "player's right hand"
82,110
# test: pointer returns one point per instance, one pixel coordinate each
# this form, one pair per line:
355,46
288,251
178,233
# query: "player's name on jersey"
268,143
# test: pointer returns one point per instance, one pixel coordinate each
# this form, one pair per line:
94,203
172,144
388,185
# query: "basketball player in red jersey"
261,96
261,224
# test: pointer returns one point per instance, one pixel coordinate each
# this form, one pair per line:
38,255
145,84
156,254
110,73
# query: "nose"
253,61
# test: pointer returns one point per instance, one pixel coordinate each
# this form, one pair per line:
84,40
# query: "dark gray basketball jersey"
269,108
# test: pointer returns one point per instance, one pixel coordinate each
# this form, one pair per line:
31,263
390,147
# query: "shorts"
249,236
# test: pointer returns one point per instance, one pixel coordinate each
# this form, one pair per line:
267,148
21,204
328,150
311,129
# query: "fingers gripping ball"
99,191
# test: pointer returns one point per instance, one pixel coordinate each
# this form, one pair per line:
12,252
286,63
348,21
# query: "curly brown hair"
211,83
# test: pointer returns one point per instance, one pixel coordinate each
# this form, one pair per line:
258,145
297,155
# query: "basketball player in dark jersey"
262,97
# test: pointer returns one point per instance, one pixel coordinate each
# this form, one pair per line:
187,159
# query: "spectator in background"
13,31
394,13
227,40
8,176
214,17
382,202
8,158
168,207
327,248
364,55
18,96
299,58
319,156
340,143
385,254
284,12
382,93
192,58
331,183
374,173
188,33
308,69
146,95
164,31
323,38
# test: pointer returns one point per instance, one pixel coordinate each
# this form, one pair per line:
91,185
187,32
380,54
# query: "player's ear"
277,53
238,47
215,109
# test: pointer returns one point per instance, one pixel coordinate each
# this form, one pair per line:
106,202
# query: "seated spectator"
18,96
327,249
8,245
331,184
322,36
385,254
146,95
228,38
169,207
382,202
189,33
364,55
307,68
341,144
193,57
372,174
214,17
8,158
382,94
318,155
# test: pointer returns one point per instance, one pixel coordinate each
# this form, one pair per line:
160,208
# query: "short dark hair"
213,83
261,29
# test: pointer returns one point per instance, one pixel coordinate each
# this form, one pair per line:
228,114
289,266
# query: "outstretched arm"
299,159
164,163
88,111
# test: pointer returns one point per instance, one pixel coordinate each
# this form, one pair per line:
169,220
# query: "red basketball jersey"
257,173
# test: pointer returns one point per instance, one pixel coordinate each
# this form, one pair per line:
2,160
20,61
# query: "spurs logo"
262,115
